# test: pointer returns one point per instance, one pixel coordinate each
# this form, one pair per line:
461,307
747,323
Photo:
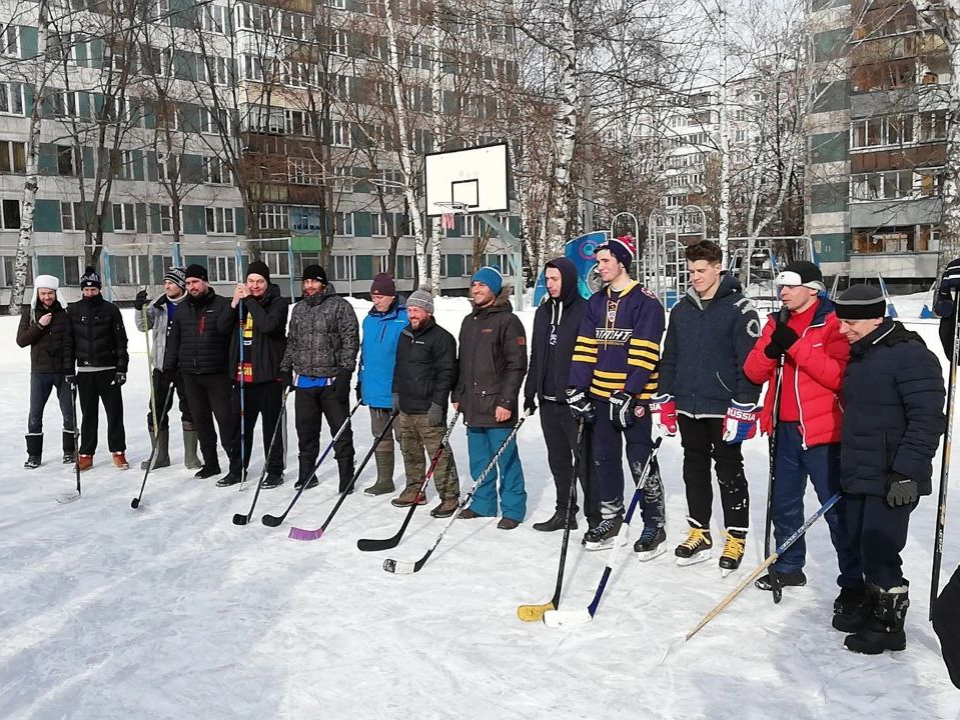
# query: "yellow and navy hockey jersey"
618,347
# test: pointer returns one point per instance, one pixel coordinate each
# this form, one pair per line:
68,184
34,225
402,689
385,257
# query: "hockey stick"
301,534
945,462
564,618
70,497
243,377
401,567
391,542
153,393
782,318
274,520
239,519
533,613
167,402
676,642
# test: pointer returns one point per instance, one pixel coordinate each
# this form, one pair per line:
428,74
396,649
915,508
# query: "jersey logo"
648,293
613,335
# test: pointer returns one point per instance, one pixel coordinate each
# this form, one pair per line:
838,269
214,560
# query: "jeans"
41,383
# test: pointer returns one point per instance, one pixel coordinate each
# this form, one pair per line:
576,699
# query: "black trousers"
560,434
210,396
263,399
312,405
702,441
161,386
878,533
92,389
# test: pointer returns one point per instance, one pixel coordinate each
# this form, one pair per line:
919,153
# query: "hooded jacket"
160,315
893,411
555,327
426,367
47,344
97,337
378,353
705,348
200,336
265,334
324,336
491,364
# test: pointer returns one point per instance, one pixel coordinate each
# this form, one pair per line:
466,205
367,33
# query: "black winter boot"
884,629
34,450
346,469
557,522
851,609
69,448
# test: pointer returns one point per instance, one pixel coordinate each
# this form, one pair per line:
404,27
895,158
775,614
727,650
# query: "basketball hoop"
448,219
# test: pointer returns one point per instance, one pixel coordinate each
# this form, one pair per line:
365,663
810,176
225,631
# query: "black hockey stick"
533,613
167,402
782,318
70,497
239,519
274,520
301,534
368,545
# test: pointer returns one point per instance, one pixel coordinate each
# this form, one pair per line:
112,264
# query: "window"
265,119
295,25
932,126
167,114
160,12
256,17
220,221
72,216
343,180
124,217
166,219
168,167
123,164
300,122
11,98
341,87
305,171
278,262
896,184
8,273
214,122
343,267
305,218
405,264
339,4
422,141
10,41
10,214
273,217
222,269
380,225
68,160
216,171
340,135
468,225
130,269
13,156
214,70
343,223
156,61
338,42
213,19
675,200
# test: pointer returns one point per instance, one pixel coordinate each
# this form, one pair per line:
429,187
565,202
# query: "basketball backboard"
474,180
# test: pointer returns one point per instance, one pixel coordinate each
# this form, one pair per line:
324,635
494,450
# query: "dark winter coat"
893,411
269,315
47,344
565,314
491,364
97,337
426,367
944,306
201,334
324,337
702,361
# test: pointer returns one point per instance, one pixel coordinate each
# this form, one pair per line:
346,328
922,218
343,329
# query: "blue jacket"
703,354
892,411
378,353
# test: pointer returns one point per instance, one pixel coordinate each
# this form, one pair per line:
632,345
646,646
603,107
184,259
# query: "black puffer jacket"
892,411
47,344
269,340
97,337
426,368
199,338
324,337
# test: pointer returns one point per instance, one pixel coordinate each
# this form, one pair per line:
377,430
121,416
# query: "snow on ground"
173,612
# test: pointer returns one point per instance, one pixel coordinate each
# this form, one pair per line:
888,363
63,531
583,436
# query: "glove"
784,337
140,300
359,393
120,378
435,414
341,386
622,407
396,402
901,490
773,351
581,407
740,422
950,280
169,376
664,411
286,377
530,405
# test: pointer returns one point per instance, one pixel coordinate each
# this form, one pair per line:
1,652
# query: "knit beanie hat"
177,277
422,298
621,248
259,268
196,271
90,278
490,277
383,285
861,302
801,273
315,272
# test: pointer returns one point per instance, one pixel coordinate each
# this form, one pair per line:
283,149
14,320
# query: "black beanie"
315,272
90,278
861,302
259,268
196,271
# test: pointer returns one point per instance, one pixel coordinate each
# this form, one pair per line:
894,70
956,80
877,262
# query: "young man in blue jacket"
711,332
378,352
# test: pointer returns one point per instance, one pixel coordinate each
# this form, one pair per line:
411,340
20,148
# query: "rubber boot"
34,450
385,465
69,448
346,469
190,459
161,454
884,629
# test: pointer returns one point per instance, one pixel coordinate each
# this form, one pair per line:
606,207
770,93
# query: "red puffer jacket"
818,360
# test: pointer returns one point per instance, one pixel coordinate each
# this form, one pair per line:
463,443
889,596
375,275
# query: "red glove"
664,411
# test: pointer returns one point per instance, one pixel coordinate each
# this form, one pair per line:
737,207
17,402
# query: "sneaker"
696,548
652,543
469,514
446,508
272,480
32,462
311,483
851,609
69,458
789,579
207,471
557,522
231,478
732,554
604,535
120,461
507,524
85,462
408,497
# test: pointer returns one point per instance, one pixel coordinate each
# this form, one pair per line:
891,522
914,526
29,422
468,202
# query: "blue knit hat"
490,277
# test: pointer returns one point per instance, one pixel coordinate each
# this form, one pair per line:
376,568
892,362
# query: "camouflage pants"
419,441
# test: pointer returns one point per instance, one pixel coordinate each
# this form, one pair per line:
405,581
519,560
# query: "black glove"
169,376
901,490
140,300
120,378
530,405
435,415
622,407
359,393
773,351
581,407
286,377
341,386
784,337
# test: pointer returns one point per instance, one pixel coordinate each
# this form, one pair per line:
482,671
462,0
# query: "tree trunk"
565,126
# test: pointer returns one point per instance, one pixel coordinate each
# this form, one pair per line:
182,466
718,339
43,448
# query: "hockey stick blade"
399,567
65,498
301,534
272,520
534,613
240,519
567,618
135,503
367,545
